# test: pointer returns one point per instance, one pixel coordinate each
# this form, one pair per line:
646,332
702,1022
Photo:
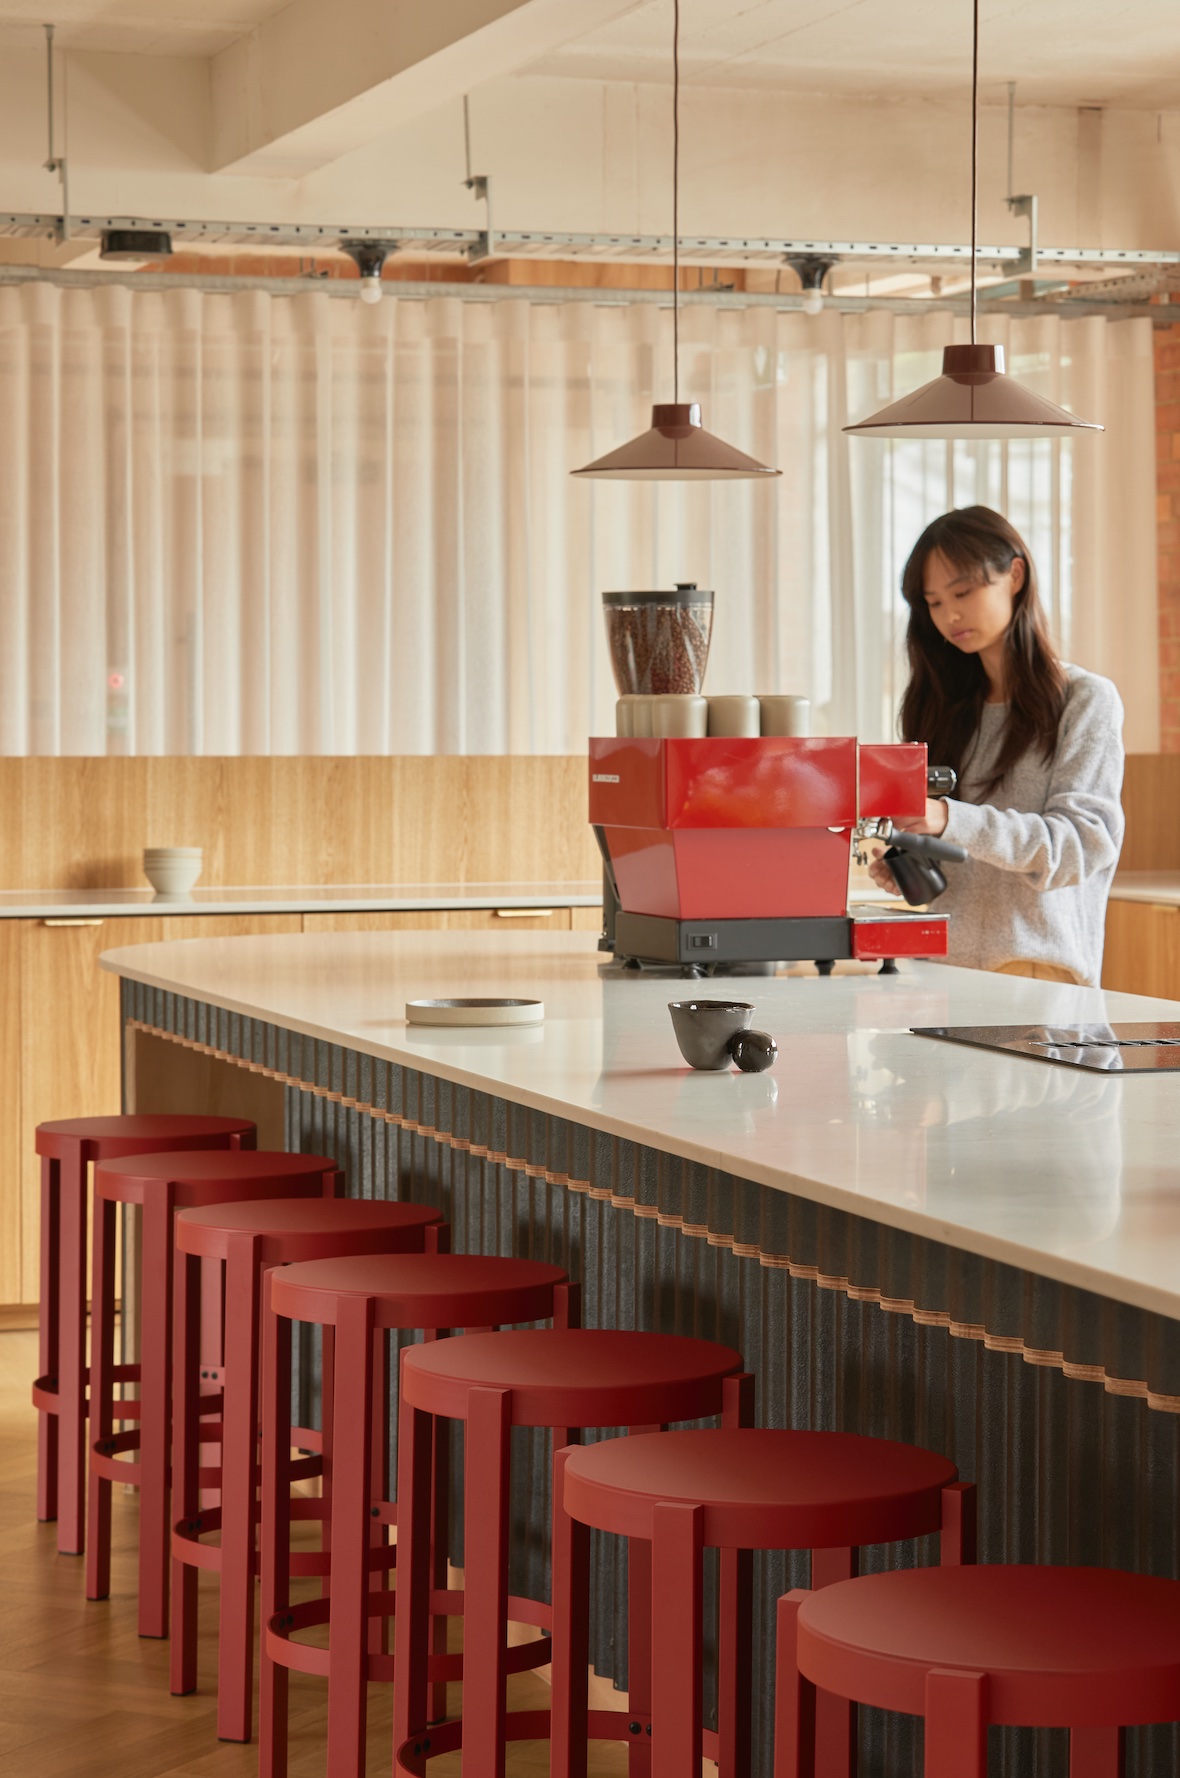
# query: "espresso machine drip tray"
1152,1048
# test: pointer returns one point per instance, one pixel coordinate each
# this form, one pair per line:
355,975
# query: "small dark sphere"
753,1051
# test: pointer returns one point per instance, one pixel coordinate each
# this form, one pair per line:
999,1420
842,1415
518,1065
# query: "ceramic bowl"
172,873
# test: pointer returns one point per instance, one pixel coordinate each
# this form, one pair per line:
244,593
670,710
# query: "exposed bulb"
371,288
813,302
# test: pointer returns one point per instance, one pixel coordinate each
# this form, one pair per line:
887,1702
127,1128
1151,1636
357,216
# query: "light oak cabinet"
59,1047
1142,949
59,1029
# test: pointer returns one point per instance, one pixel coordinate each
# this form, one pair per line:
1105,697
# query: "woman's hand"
932,822
880,872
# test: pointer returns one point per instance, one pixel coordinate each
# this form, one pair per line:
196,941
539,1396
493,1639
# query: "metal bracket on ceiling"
56,163
1026,265
480,185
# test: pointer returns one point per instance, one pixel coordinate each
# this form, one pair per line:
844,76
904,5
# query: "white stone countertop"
1070,1174
331,898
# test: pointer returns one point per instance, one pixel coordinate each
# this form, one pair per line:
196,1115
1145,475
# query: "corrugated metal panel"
1068,1469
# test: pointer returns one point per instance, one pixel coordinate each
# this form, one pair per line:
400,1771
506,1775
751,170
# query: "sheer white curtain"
270,524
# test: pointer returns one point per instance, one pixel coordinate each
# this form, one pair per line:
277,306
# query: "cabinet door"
70,1038
1142,949
444,920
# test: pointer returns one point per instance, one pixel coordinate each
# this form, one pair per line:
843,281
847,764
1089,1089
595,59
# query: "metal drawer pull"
78,922
522,913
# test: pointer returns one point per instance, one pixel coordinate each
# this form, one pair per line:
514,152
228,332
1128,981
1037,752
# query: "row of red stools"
239,1246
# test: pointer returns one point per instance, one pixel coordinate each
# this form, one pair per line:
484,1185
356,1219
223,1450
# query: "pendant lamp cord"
974,155
676,199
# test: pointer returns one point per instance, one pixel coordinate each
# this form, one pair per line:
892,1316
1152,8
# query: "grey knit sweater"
1043,848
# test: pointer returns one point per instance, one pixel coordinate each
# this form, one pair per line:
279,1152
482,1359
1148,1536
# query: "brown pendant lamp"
973,398
676,448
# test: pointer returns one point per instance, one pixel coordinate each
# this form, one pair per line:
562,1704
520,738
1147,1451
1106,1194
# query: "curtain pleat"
258,524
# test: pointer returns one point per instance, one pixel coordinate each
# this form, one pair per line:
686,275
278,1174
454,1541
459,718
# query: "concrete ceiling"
134,27
1060,52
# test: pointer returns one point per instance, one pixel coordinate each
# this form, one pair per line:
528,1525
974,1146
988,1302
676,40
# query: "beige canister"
679,714
733,715
784,714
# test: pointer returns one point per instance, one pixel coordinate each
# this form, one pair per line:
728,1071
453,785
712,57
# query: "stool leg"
155,1426
735,1628
1097,1753
485,1513
415,1439
439,1545
639,1653
327,1424
275,1563
102,1391
794,1697
957,1539
835,1718
239,1443
186,1460
379,1486
571,1634
351,1446
71,1375
956,1724
48,1334
676,1550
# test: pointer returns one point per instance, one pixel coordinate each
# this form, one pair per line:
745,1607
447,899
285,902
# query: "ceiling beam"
323,77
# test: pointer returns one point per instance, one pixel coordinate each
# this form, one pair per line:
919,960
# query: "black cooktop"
1152,1048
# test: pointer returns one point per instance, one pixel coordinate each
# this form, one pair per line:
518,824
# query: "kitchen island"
974,1251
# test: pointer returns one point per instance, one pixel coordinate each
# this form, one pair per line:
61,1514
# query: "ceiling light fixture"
811,269
676,448
369,256
973,398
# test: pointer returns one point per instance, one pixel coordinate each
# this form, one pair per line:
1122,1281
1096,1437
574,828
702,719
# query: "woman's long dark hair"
944,699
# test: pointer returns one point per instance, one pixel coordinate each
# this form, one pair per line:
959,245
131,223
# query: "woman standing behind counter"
1037,746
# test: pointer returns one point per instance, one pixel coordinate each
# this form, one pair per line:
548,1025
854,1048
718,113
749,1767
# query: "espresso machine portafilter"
913,858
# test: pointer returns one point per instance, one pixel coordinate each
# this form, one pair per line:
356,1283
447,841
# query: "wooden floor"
83,1696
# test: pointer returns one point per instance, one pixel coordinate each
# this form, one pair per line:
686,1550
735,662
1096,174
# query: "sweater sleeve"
1080,831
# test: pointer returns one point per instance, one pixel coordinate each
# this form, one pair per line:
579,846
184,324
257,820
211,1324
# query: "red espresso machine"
735,852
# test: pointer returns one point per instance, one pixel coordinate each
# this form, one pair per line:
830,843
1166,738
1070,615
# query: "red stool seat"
68,1148
161,1184
564,1379
736,1489
358,1300
1088,1649
249,1238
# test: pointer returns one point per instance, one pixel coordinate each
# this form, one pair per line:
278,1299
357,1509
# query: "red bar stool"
68,1149
740,1490
360,1300
564,1380
1092,1650
248,1239
161,1184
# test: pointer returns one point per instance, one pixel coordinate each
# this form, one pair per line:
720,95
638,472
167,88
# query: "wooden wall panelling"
12,1132
82,823
586,919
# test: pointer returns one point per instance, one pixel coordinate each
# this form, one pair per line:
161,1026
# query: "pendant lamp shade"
973,398
675,449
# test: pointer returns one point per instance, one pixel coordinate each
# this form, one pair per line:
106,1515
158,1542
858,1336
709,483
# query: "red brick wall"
1167,482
